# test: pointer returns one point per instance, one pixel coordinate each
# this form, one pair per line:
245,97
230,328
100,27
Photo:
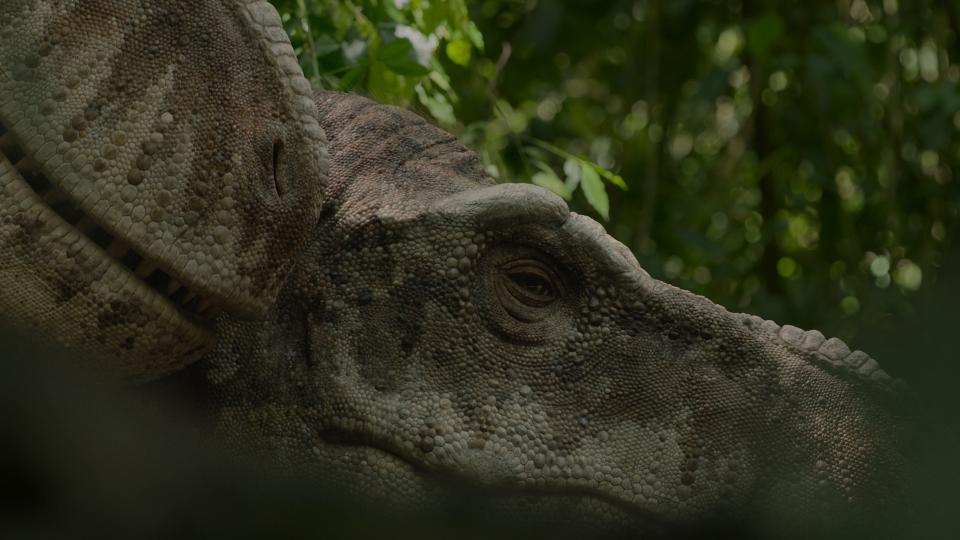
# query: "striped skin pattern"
180,138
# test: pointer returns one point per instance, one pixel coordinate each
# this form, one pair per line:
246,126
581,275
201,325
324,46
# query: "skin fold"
115,137
364,302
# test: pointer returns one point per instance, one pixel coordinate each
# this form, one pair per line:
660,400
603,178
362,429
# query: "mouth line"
335,437
55,199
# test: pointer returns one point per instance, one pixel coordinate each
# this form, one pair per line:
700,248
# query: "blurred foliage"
792,159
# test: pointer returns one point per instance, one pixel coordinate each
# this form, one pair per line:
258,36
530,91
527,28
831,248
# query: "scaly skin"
428,324
440,325
179,135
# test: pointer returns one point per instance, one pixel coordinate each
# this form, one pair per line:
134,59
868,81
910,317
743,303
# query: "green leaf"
574,163
324,45
439,77
435,15
399,58
571,168
457,14
387,86
354,77
459,52
593,189
342,18
611,177
450,13
476,37
438,105
366,27
548,179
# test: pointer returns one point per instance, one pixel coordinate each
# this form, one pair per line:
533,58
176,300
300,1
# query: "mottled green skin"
430,325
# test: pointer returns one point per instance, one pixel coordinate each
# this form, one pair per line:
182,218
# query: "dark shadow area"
84,459
919,347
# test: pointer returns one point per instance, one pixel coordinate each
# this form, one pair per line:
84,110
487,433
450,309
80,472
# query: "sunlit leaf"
457,14
593,189
440,78
547,178
473,33
398,56
458,51
611,177
438,105
571,168
387,86
579,162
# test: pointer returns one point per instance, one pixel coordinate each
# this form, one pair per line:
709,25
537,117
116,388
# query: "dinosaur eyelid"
530,282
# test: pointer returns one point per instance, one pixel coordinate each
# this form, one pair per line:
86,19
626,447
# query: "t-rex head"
159,160
440,325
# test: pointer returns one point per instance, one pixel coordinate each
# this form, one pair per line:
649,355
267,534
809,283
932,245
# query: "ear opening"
279,184
208,112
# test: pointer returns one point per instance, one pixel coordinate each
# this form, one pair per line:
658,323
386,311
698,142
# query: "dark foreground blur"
80,459
924,350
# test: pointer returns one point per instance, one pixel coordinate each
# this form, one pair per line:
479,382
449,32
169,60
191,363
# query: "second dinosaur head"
440,325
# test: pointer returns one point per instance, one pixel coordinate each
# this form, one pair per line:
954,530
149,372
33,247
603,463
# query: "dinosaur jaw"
63,271
344,459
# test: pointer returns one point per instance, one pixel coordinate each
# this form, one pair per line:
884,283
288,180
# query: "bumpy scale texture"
406,320
440,325
160,161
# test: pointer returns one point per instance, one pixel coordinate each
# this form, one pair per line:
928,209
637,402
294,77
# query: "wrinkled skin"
439,325
428,325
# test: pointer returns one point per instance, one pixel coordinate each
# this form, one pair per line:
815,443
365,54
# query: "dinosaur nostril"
278,182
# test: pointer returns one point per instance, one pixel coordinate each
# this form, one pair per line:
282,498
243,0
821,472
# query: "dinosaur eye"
530,282
525,294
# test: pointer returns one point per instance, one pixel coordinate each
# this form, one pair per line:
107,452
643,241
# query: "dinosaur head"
442,326
160,161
